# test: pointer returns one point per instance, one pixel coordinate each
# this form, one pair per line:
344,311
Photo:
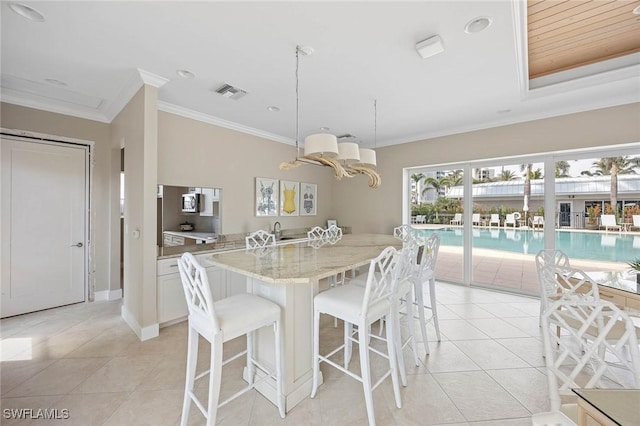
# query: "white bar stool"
219,322
362,306
426,271
260,239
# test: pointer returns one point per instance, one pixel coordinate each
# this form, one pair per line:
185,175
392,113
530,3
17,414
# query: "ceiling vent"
230,92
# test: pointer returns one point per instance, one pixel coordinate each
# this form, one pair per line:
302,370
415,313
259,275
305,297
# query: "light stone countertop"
193,235
300,262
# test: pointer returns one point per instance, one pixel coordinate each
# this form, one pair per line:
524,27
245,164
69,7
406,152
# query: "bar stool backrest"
598,348
428,256
381,280
259,239
197,292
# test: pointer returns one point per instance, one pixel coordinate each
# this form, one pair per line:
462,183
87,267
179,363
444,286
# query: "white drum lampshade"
349,152
367,157
321,145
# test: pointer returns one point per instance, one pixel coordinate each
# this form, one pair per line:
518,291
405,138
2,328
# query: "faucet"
276,230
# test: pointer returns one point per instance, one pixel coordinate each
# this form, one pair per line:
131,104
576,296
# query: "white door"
43,230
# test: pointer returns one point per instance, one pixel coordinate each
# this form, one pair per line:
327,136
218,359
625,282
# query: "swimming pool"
612,246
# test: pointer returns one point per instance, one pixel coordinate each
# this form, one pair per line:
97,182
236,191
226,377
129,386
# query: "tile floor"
488,370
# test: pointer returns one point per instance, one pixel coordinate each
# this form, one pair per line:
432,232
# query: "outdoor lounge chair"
512,219
609,221
457,219
475,219
537,221
495,218
636,222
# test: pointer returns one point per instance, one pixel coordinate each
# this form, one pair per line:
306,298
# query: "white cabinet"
171,303
172,240
206,201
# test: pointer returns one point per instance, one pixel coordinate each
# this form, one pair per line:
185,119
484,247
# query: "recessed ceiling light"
636,10
26,12
324,129
273,108
55,82
477,24
185,74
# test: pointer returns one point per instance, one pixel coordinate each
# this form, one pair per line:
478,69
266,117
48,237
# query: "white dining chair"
403,232
219,322
598,349
548,261
362,306
260,239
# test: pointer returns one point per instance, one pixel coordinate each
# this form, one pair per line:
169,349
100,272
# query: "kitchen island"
289,274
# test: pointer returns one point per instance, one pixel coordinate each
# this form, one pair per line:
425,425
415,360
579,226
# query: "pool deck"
507,270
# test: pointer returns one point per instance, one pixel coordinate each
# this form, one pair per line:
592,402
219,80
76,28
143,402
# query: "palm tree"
433,183
536,174
507,175
614,166
417,178
562,169
454,179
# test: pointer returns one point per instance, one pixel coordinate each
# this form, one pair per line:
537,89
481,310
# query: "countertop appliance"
190,203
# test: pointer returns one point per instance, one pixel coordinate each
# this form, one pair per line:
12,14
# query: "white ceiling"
363,51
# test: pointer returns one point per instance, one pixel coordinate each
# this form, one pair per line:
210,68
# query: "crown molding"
205,118
127,91
152,79
55,108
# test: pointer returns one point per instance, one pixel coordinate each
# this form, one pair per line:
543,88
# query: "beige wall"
28,119
193,153
380,210
135,128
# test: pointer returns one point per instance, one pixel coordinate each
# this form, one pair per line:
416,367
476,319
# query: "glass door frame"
549,160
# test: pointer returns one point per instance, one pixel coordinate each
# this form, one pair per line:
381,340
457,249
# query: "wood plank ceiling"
564,34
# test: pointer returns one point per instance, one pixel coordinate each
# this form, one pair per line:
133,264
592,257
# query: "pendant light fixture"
322,149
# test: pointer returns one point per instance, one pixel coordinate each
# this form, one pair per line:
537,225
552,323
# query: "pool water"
612,246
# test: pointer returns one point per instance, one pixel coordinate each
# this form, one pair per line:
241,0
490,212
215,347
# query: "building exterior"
574,195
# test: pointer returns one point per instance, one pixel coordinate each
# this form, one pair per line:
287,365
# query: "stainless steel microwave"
190,203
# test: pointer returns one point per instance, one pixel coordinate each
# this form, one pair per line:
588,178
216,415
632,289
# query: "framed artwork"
289,198
308,199
267,197
332,222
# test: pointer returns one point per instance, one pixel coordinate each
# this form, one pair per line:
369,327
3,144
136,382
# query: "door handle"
77,245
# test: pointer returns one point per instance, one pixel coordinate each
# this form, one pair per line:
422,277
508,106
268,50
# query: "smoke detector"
429,47
230,92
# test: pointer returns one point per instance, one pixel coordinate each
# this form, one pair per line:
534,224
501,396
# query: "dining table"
608,407
289,274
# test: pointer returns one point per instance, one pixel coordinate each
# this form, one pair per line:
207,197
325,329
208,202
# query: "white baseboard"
143,334
107,295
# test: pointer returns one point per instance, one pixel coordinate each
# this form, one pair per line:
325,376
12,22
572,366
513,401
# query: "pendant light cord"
375,123
297,101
